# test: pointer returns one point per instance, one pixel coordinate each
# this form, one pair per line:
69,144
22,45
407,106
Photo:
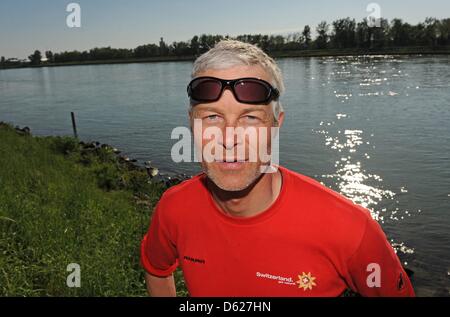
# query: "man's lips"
231,165
231,161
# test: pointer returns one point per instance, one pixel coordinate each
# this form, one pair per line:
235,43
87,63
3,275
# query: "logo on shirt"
194,260
277,278
306,281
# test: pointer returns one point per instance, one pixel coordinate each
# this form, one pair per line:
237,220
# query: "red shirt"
310,242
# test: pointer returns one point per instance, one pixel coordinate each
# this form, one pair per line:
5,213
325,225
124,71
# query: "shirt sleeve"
159,255
374,269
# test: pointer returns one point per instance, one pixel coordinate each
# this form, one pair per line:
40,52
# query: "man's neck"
250,201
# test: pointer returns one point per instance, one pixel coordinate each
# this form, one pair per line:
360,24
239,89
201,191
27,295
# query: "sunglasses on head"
245,90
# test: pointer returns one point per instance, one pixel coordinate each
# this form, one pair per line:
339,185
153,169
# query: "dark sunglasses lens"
205,89
251,91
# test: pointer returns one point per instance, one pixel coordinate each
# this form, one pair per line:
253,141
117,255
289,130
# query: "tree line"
343,33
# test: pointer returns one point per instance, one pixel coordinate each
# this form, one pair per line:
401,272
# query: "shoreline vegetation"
342,37
408,51
63,201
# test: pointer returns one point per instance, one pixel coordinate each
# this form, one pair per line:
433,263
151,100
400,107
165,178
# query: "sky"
41,24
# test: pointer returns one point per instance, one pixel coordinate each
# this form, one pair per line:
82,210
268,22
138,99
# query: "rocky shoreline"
94,147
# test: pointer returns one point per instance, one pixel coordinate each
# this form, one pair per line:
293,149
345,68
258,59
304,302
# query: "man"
247,227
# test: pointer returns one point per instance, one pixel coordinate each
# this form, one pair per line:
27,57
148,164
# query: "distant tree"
276,43
64,57
84,56
35,58
208,41
424,34
121,53
293,42
256,39
297,37
380,35
180,49
195,46
203,42
49,56
306,35
431,31
2,60
417,35
344,33
372,37
363,34
98,53
322,35
264,43
147,50
444,32
400,33
163,49
247,38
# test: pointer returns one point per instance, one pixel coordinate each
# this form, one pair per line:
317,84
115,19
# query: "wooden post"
74,125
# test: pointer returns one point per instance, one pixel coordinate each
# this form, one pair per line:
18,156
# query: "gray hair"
230,53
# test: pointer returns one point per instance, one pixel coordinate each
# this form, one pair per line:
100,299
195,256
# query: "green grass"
61,205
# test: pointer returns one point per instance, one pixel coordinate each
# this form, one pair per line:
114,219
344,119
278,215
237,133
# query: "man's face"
233,161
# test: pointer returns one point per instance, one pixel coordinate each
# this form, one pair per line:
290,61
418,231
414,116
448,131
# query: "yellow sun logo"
306,281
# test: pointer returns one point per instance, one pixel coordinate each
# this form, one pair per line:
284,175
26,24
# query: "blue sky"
41,24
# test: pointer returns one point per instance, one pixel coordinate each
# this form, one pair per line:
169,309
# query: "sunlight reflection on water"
353,146
354,181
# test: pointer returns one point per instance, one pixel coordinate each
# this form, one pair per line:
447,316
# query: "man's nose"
230,139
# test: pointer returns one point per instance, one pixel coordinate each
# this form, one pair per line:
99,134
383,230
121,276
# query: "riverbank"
277,54
63,201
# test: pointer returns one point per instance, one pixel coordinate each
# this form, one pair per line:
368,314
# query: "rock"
24,131
90,145
152,171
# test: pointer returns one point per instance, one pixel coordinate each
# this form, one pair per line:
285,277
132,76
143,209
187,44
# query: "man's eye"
251,118
212,117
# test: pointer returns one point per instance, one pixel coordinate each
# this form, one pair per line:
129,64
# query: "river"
374,128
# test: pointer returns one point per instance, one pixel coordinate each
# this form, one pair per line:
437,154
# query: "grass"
59,205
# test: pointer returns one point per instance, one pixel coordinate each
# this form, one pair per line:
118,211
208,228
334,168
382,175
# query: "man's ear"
191,118
280,119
